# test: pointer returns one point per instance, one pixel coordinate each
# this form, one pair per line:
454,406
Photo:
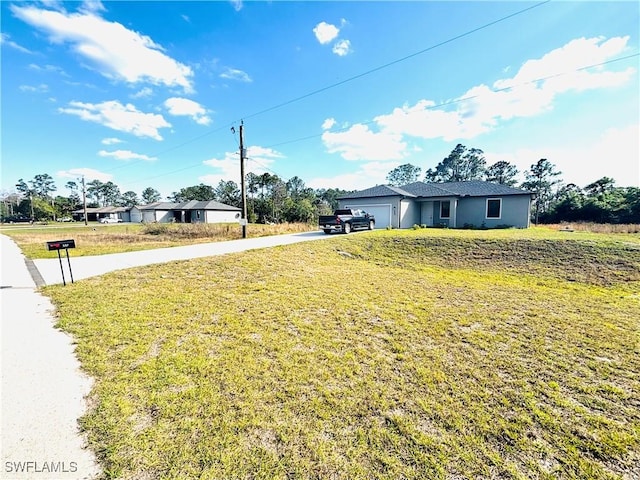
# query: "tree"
200,192
541,178
110,194
129,199
295,187
403,175
600,187
461,165
23,188
502,172
150,195
42,185
329,198
74,196
228,192
94,191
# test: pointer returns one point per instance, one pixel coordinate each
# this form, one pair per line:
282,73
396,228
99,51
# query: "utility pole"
243,189
84,201
33,217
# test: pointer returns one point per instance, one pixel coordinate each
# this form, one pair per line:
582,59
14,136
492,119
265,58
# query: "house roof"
190,205
103,210
379,191
473,188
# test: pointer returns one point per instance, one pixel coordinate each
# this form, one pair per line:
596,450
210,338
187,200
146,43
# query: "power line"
464,99
342,82
430,107
394,62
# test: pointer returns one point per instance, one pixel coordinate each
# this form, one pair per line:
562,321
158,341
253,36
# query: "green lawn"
382,355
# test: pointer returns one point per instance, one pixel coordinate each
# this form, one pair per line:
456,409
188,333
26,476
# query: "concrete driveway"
85,267
43,389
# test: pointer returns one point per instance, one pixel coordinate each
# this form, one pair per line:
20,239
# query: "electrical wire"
342,82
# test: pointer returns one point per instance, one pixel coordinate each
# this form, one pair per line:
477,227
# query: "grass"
97,239
382,355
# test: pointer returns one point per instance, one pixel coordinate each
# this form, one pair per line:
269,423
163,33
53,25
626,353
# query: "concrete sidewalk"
85,267
42,388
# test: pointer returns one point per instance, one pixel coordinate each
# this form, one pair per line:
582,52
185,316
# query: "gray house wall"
513,212
409,213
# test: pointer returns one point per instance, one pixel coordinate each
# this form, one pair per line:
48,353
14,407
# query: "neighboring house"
451,204
185,212
164,212
96,213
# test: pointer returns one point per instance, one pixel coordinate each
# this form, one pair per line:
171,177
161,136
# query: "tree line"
273,199
270,199
601,201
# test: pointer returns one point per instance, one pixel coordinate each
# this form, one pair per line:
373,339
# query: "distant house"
185,212
450,204
97,213
164,212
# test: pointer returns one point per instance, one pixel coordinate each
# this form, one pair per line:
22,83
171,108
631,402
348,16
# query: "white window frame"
486,209
441,203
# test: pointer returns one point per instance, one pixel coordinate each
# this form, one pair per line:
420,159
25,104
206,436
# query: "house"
186,212
164,212
451,204
97,213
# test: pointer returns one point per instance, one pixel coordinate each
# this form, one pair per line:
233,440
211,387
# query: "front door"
426,214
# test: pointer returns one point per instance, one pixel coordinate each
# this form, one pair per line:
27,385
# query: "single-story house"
451,204
96,213
186,212
164,212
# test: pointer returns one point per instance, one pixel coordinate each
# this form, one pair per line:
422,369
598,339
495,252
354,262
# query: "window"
494,207
445,209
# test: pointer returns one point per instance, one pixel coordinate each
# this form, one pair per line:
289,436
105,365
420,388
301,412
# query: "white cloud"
116,51
92,6
237,5
328,123
481,108
42,88
259,160
360,143
48,69
235,74
325,32
185,107
143,93
126,155
123,118
110,141
88,173
615,154
367,175
342,48
422,120
5,39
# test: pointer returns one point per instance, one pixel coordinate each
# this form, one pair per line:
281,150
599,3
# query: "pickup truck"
345,221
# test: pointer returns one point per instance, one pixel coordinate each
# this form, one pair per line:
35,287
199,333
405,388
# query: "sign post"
60,245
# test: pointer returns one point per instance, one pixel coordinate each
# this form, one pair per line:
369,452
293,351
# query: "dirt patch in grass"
303,362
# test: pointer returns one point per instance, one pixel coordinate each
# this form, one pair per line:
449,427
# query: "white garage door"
381,212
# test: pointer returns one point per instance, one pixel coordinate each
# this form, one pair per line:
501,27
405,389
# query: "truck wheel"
372,225
347,228
327,231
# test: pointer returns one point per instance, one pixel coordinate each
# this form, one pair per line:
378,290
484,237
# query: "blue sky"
338,93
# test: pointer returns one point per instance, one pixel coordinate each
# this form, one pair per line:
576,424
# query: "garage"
381,212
